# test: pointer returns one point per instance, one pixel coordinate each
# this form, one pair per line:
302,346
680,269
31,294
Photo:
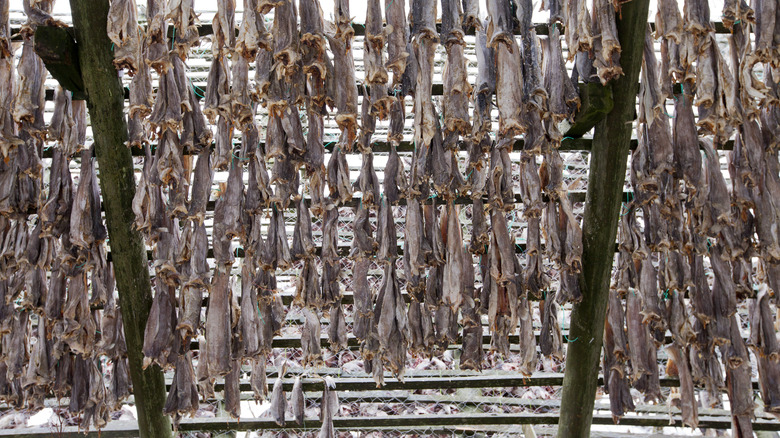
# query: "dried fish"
183,395
391,322
310,338
330,408
278,399
218,322
606,46
297,402
159,334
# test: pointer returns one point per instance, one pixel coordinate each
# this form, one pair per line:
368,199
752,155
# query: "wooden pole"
105,101
609,153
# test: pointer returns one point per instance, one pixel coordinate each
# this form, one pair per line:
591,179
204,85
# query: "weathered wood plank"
401,423
609,157
105,103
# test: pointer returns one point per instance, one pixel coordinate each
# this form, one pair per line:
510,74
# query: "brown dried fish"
183,395
278,399
678,362
310,338
391,322
606,46
159,333
218,323
297,401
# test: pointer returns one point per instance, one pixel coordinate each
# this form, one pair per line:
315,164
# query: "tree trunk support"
608,160
105,101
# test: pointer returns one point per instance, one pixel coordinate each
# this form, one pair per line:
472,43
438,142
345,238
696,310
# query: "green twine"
195,90
387,8
236,156
173,37
626,205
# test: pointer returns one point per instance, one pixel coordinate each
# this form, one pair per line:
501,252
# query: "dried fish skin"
252,34
688,404
122,29
738,380
218,97
141,104
278,401
363,244
376,73
345,93
472,353
308,290
577,19
509,97
391,322
56,211
363,311
563,99
687,159
257,378
550,339
338,174
397,31
182,14
368,182
479,228
330,408
183,395
337,328
249,319
310,339
86,225
159,334
606,46
242,107
452,286
297,401
303,243
696,15
218,324
271,310
669,21
502,304
457,89
201,187
191,301
484,87
228,208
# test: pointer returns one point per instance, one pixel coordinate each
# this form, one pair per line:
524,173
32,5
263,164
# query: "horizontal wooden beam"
408,423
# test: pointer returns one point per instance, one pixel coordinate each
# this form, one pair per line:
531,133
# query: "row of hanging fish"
304,70
684,221
61,332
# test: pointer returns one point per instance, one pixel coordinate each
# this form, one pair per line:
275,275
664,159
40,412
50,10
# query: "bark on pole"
105,101
608,161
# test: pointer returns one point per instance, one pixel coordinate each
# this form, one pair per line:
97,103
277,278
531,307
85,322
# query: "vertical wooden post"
105,101
608,160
